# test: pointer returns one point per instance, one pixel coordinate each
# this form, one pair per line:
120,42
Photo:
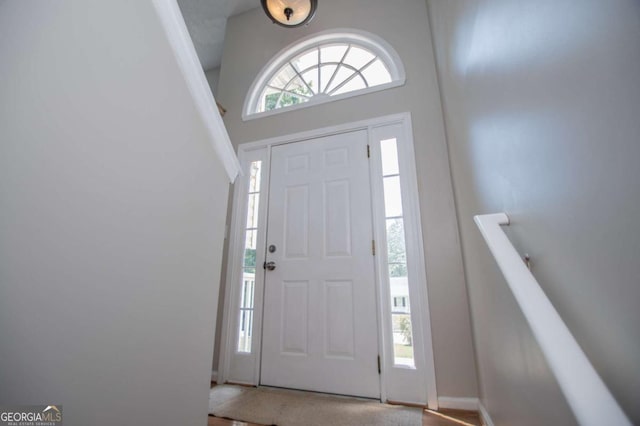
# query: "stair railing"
586,393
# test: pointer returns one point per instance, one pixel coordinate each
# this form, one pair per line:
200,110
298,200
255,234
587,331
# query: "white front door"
320,327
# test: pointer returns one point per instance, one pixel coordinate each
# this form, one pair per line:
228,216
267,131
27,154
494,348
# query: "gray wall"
542,106
213,76
112,210
252,40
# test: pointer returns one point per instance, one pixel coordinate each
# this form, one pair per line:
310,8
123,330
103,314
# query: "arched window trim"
375,44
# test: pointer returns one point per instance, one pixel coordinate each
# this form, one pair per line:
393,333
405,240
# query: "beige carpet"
279,407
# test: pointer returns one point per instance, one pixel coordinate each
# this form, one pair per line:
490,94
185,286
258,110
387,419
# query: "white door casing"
397,383
320,315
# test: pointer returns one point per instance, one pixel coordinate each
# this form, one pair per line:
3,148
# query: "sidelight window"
396,256
248,280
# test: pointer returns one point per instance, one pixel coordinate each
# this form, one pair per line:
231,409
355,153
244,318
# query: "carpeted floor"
279,407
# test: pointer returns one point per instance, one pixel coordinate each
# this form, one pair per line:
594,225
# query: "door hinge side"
373,247
379,367
368,151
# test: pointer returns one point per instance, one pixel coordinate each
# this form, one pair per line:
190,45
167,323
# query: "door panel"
337,218
296,222
295,316
320,325
339,314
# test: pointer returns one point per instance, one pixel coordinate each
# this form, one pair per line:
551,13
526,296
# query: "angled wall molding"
187,58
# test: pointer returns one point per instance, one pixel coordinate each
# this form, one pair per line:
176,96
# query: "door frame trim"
249,371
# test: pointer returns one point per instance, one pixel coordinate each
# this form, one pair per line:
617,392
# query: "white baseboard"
484,415
214,376
468,404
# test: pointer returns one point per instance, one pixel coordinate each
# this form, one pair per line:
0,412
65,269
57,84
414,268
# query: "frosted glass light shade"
290,13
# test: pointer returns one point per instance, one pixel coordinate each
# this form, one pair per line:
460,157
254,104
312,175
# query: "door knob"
269,266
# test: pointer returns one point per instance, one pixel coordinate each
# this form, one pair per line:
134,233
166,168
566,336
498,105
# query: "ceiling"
207,21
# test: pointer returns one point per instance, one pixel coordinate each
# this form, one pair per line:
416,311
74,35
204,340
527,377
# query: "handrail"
586,393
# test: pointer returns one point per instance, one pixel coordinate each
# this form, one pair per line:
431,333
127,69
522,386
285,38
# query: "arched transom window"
324,67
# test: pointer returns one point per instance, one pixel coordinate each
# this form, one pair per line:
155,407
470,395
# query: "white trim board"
453,403
326,131
485,418
189,64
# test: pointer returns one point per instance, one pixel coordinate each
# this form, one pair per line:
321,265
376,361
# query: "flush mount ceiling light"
290,13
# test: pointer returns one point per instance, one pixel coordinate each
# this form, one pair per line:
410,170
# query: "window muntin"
321,68
248,279
325,70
